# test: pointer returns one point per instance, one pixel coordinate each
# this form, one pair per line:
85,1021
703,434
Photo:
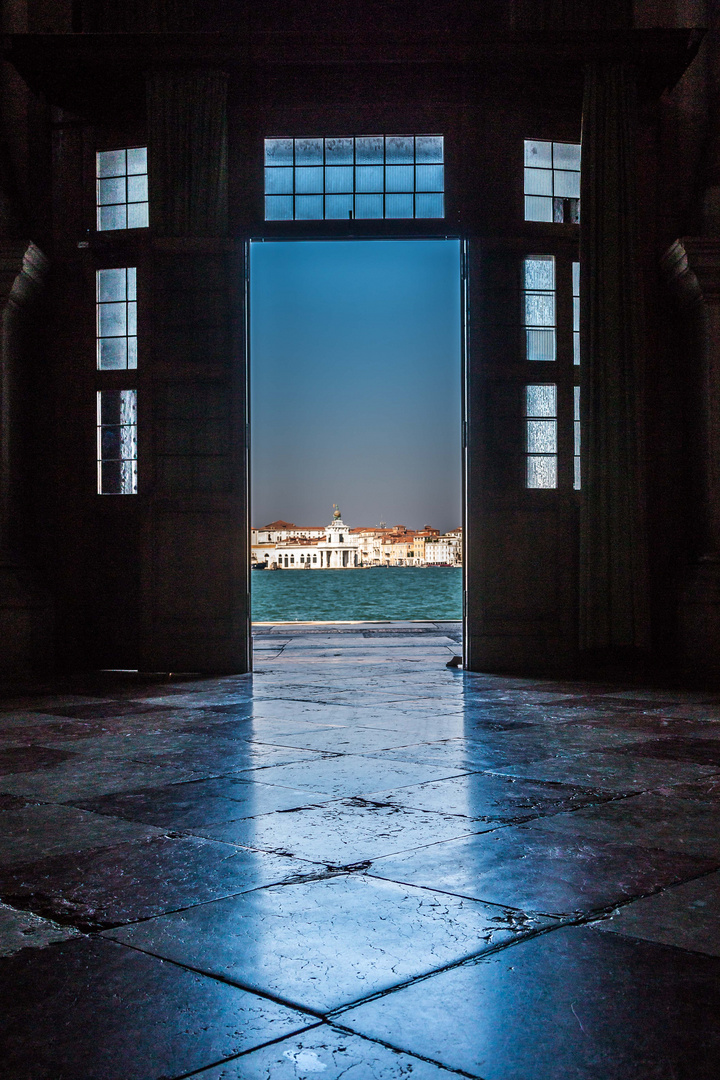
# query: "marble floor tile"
326,943
706,711
285,726
108,710
612,771
64,733
201,802
23,930
46,703
646,726
84,778
478,714
156,876
659,819
173,749
701,751
201,699
214,759
533,869
493,749
454,752
706,789
145,746
419,726
90,1009
343,833
349,740
350,775
687,916
338,1055
268,709
247,729
24,759
574,1004
495,798
29,831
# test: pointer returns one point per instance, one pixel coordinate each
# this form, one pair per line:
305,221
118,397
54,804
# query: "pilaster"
613,562
25,611
692,268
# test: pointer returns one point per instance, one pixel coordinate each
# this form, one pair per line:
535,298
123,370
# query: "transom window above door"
364,177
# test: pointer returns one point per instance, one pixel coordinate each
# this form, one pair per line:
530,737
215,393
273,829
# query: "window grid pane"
117,442
541,435
576,438
122,189
539,307
576,311
116,318
552,181
370,176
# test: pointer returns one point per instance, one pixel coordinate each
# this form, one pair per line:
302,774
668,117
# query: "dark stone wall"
159,580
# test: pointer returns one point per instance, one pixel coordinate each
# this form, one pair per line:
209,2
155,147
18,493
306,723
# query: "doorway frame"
349,235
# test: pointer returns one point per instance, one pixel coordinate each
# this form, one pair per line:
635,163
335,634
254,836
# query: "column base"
700,619
26,625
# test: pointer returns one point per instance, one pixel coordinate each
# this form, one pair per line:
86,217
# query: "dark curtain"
187,139
613,577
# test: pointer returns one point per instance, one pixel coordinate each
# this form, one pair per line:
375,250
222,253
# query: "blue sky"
355,376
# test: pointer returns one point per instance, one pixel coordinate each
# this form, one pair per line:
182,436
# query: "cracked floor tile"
325,943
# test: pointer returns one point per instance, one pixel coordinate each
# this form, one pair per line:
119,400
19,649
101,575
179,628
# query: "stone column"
692,267
25,611
192,392
613,576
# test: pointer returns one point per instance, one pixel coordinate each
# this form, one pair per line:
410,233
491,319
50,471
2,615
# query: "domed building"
340,549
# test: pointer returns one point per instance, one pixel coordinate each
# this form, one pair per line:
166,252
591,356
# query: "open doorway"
356,374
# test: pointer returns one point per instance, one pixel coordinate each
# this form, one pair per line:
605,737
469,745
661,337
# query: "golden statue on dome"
336,512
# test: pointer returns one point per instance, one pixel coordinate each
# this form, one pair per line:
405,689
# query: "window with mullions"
576,438
539,307
541,436
576,311
117,442
122,189
372,176
116,306
552,181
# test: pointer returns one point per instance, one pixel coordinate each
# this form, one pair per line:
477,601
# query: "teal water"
392,592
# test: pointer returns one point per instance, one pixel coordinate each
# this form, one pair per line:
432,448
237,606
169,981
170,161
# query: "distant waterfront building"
285,530
444,550
286,546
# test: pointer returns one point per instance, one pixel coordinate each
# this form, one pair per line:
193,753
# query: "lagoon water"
392,592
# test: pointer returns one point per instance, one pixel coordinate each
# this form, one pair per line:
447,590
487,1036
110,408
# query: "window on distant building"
539,307
371,176
541,436
552,181
122,189
117,442
116,307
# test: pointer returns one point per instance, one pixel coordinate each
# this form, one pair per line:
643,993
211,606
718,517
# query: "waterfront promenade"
359,863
